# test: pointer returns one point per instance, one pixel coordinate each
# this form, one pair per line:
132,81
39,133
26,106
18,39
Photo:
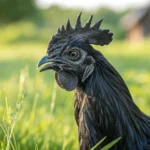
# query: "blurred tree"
40,24
13,10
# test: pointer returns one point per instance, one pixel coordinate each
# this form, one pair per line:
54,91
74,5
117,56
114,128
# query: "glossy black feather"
109,109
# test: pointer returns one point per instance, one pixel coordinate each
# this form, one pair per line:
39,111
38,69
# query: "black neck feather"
111,111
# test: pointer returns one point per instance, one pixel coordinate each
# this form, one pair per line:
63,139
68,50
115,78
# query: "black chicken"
103,103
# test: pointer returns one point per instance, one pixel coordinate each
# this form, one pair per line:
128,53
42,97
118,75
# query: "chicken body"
103,103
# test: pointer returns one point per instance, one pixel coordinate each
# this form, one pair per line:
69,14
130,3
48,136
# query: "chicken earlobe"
66,80
87,72
89,68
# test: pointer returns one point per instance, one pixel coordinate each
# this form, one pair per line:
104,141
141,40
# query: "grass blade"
108,146
98,143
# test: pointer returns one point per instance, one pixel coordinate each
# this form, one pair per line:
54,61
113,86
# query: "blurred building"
137,24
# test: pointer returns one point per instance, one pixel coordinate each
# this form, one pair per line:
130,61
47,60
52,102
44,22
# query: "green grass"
45,119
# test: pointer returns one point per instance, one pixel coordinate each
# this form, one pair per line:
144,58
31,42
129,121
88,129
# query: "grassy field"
37,114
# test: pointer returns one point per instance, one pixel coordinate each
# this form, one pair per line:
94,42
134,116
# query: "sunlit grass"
46,119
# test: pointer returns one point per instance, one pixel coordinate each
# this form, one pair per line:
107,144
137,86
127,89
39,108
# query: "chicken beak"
43,60
53,63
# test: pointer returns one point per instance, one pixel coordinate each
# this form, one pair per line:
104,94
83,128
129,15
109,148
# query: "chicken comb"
90,34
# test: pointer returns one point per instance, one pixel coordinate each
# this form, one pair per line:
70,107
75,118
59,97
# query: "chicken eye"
74,55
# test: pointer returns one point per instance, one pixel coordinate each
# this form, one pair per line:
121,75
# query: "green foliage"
101,141
111,144
46,117
13,10
108,146
41,25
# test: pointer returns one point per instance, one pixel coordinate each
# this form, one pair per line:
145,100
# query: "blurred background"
34,112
